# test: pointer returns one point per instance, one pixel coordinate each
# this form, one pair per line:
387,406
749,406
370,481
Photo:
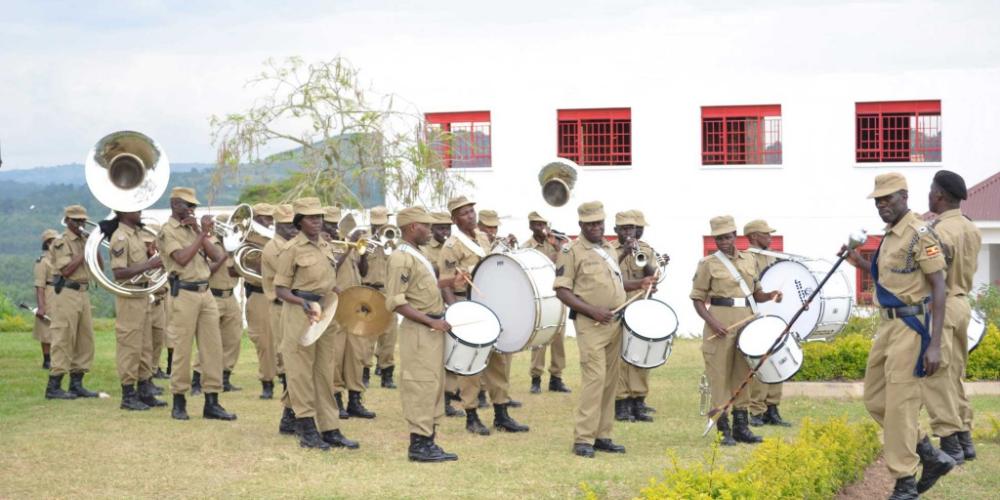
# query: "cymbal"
329,311
361,311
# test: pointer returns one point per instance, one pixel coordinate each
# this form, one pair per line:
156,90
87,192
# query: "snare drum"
976,330
517,286
474,331
829,311
757,337
648,328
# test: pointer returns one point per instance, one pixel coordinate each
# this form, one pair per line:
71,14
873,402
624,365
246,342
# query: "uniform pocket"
306,260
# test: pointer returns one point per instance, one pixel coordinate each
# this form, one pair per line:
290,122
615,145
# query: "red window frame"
741,135
742,243
465,140
864,286
595,137
898,131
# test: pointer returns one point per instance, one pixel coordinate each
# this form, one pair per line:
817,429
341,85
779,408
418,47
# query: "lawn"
90,448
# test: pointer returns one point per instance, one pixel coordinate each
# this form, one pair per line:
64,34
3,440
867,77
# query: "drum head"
756,338
796,282
509,292
472,323
650,319
976,330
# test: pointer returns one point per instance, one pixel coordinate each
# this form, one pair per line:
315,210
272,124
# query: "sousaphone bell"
557,179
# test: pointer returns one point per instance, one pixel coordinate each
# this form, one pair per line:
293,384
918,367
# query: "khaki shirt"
127,250
762,262
454,256
172,237
907,247
409,282
585,273
63,250
962,241
625,260
269,265
378,264
42,270
221,279
712,279
307,266
545,247
433,252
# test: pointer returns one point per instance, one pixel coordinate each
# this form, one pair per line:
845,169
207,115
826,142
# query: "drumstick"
734,325
465,276
619,308
650,289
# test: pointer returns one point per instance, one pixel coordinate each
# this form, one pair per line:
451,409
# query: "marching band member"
304,276
222,283
44,297
157,315
489,223
543,240
385,345
412,291
639,399
440,232
284,231
258,308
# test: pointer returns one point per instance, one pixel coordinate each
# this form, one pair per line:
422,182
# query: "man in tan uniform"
764,398
550,244
589,281
639,395
72,334
440,232
157,315
944,392
459,256
727,280
909,272
187,249
44,296
489,223
374,276
222,283
412,291
284,231
258,308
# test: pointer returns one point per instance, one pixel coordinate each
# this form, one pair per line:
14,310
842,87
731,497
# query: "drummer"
459,256
440,231
411,290
727,280
549,243
764,398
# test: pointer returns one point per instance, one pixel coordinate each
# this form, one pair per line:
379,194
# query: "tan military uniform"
944,392
583,271
194,314
222,284
133,332
268,267
158,322
558,345
633,382
72,333
384,345
761,394
258,311
433,252
307,266
421,349
725,366
350,351
42,275
892,391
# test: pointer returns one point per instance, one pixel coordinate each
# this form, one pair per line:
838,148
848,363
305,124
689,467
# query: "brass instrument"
504,245
388,237
557,179
248,250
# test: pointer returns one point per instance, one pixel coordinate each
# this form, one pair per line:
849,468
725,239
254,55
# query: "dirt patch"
876,483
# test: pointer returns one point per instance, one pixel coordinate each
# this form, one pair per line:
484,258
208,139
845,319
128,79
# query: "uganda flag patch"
933,251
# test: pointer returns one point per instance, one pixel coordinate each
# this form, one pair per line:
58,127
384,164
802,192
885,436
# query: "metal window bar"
462,144
596,142
754,140
898,137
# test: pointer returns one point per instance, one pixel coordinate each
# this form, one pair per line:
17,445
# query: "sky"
75,71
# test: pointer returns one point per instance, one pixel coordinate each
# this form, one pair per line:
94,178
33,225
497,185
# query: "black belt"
276,302
891,313
462,294
192,286
374,285
218,292
435,316
728,302
74,285
251,289
312,297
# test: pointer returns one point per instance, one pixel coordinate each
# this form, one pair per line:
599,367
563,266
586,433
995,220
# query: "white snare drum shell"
648,333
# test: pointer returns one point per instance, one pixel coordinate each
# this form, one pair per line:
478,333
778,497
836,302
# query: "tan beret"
75,212
284,214
186,194
489,218
265,209
723,224
309,205
536,217
331,214
442,218
459,202
410,215
379,215
887,184
624,219
591,211
757,226
49,234
640,218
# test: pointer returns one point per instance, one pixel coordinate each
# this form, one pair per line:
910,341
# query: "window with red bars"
741,135
742,243
863,283
461,139
899,131
595,136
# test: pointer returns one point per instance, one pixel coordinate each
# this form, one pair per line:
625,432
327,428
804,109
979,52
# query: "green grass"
90,448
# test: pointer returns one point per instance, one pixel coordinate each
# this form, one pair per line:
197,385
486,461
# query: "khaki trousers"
893,394
600,360
309,370
496,378
944,392
195,317
725,366
133,337
231,329
450,382
385,345
633,382
259,331
157,331
349,353
762,394
72,334
421,387
42,331
557,363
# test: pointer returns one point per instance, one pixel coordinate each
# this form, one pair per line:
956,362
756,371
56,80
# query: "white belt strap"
612,264
471,245
739,279
419,256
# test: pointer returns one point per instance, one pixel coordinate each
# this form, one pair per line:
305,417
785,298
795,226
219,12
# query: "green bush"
844,358
823,458
984,362
987,300
989,433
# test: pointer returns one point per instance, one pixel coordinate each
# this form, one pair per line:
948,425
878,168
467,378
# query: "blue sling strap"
889,299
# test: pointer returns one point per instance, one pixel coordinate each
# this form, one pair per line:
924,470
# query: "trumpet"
504,245
362,246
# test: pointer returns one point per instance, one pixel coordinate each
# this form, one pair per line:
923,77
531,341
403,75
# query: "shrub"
823,458
987,300
984,362
16,323
844,358
990,433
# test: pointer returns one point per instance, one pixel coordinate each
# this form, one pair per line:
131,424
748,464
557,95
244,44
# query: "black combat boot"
227,386
504,422
337,440
342,412
179,411
935,463
757,420
130,400
155,389
513,403
623,411
76,386
387,382
741,428
556,384
473,425
636,411
536,385
287,424
437,450
727,433
951,446
147,395
196,384
481,398
213,410
422,450
965,439
640,402
608,445
54,389
160,375
355,408
772,417
309,437
905,489
585,450
266,389
366,376
450,410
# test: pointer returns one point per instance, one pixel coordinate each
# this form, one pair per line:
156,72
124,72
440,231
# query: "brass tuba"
250,249
557,179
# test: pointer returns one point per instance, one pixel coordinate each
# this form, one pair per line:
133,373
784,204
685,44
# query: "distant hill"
73,173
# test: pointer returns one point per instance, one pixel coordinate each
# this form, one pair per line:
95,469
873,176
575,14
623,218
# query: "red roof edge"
983,202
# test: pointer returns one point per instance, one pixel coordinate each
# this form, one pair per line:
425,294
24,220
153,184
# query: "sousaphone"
557,179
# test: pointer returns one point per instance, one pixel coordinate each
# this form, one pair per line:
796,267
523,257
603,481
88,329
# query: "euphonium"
250,250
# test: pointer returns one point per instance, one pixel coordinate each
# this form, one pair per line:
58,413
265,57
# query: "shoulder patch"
404,278
933,251
119,252
57,245
450,264
561,270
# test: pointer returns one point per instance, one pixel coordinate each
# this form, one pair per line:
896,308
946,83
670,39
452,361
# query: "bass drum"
830,310
517,286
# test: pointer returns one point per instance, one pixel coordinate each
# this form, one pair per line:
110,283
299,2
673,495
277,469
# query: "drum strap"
739,279
471,245
612,264
888,299
419,256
